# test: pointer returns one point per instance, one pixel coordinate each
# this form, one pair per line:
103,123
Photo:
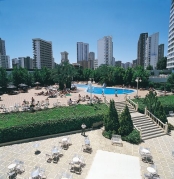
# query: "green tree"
171,79
151,100
126,124
128,76
37,75
46,76
162,63
19,75
63,74
111,120
160,113
139,71
3,78
149,67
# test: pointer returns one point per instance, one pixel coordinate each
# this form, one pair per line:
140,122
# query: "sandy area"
10,100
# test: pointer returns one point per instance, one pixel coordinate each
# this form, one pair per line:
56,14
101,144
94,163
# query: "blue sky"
66,22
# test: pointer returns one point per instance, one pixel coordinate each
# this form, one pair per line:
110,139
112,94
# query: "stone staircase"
121,105
148,127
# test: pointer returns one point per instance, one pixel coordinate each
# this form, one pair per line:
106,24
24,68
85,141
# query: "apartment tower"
151,54
83,54
64,57
160,51
2,47
42,53
170,52
105,51
141,48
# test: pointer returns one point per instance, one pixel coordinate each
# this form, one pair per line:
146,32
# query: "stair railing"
132,103
156,120
139,129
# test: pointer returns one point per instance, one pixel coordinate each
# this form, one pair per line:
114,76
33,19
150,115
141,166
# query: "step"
140,119
151,126
152,133
155,129
140,123
153,136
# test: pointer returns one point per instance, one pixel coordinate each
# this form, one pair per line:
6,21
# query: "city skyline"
82,22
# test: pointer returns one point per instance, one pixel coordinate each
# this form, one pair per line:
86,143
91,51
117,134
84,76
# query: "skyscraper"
105,51
2,47
4,61
83,54
141,48
151,54
170,52
160,51
91,60
64,56
42,53
82,51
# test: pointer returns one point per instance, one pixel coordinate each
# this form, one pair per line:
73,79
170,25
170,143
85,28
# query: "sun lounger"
171,113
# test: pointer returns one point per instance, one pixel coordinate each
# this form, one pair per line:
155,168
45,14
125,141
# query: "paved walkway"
161,149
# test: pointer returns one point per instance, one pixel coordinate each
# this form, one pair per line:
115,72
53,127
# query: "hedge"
48,127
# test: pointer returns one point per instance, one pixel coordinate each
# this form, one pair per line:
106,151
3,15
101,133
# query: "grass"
26,118
166,101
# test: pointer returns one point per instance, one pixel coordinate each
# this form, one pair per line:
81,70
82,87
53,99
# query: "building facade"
141,48
134,63
170,52
82,51
105,51
95,64
127,65
160,51
151,54
2,47
5,61
42,53
23,62
64,57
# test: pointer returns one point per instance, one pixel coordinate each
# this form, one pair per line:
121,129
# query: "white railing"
139,129
157,121
135,105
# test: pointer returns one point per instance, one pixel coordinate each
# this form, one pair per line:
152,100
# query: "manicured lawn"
27,118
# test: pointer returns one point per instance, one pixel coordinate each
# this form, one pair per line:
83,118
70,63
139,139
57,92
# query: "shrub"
133,137
126,124
107,134
170,127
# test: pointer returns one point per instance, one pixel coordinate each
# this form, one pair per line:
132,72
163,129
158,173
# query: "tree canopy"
162,63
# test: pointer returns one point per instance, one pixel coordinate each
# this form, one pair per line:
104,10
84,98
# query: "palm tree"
63,74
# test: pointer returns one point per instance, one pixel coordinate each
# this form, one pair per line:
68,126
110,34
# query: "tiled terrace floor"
160,147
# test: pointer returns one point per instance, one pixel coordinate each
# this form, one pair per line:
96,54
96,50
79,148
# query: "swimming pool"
99,90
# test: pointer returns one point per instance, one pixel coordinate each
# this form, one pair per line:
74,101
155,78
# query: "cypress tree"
126,124
111,120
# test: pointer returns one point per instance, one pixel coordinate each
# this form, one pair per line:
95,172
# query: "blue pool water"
99,90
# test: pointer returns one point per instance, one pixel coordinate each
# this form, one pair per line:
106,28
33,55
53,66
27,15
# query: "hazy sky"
66,22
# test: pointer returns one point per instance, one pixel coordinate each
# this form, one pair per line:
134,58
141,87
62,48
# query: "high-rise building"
2,47
15,63
134,63
82,51
95,64
141,48
105,51
160,51
28,63
151,55
64,56
23,62
42,53
91,60
118,63
127,65
170,52
4,61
